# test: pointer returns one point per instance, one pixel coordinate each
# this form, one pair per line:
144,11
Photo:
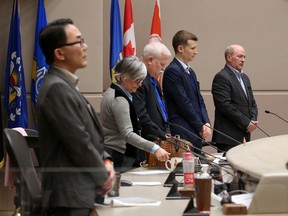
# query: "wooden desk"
167,207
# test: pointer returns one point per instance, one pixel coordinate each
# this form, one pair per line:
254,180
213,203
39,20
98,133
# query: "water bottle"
188,170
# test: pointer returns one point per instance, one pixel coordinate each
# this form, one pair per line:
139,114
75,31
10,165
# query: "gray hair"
156,49
131,67
229,51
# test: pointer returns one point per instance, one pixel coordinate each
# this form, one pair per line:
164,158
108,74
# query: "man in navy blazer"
186,108
235,107
76,168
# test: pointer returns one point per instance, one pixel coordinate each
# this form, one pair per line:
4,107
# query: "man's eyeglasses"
81,42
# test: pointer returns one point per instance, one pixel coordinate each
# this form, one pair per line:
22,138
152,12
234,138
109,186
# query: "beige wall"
259,25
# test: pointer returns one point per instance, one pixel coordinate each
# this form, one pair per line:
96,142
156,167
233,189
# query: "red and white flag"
155,33
129,34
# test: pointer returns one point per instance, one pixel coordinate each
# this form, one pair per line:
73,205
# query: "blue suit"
184,102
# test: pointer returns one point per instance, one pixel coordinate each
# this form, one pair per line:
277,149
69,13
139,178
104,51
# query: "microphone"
203,140
228,171
229,137
165,139
258,127
268,112
225,197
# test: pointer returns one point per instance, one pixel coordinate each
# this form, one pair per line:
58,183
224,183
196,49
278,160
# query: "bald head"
232,48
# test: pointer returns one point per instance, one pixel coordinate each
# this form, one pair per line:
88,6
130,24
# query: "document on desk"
152,183
244,199
130,201
149,172
218,159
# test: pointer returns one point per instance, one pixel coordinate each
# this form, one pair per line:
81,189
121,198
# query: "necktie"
192,75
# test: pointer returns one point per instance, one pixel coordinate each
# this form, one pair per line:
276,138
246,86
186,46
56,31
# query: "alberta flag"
39,66
116,44
15,91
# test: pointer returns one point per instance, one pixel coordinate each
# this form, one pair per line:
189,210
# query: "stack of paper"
130,201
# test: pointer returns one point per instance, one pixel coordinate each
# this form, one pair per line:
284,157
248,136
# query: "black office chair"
32,140
24,174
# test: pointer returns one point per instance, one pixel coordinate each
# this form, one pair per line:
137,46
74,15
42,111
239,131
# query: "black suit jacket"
71,140
233,110
185,103
149,111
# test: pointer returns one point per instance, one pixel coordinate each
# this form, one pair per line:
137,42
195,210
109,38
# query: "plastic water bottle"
188,170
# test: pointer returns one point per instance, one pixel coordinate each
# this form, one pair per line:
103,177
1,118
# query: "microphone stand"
203,158
229,137
203,140
190,209
260,129
257,126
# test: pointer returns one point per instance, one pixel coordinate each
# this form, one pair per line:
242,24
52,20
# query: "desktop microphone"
260,129
268,112
225,196
188,150
193,134
228,171
257,126
229,137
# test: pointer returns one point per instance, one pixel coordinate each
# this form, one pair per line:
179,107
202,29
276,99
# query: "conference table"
156,192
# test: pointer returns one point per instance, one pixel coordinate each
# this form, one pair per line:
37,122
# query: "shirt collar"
235,70
152,79
185,66
125,92
71,77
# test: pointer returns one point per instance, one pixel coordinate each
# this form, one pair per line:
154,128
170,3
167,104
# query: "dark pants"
122,163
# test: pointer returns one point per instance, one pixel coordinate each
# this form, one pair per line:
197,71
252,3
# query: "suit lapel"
187,77
236,81
91,111
151,88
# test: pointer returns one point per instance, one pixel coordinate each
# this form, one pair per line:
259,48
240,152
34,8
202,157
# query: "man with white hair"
148,100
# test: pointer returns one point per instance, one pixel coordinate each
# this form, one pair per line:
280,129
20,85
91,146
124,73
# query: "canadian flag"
128,29
155,33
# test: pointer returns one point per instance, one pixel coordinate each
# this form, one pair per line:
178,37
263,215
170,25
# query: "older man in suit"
71,140
148,100
186,108
235,107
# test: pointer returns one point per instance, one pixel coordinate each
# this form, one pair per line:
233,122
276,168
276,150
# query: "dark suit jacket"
233,110
185,104
149,111
70,139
